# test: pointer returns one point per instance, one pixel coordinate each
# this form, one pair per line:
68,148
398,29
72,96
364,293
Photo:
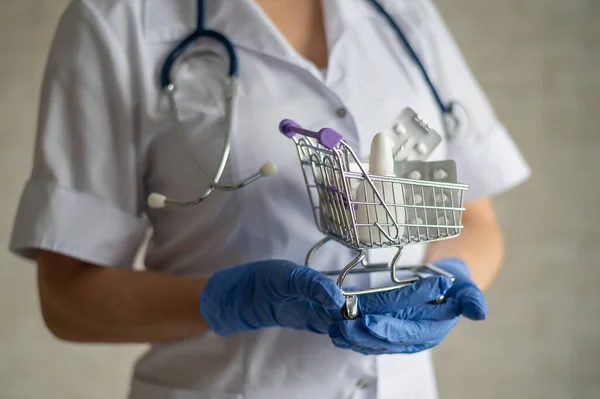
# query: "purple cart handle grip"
327,137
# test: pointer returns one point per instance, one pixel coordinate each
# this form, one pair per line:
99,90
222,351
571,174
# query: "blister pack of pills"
438,171
432,207
414,140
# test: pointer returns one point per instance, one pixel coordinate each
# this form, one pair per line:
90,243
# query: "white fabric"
105,141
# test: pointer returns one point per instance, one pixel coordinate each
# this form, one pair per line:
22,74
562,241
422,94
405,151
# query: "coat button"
341,112
362,383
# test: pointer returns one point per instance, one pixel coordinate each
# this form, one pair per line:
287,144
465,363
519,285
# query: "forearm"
96,304
480,244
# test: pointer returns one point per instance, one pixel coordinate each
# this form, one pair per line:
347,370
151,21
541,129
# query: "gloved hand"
471,299
270,293
405,320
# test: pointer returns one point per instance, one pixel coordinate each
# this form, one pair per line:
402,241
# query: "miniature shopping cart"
418,210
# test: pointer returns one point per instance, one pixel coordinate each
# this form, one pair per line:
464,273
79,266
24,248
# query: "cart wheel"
350,309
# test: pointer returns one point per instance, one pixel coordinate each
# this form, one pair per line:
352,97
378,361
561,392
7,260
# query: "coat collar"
245,24
249,27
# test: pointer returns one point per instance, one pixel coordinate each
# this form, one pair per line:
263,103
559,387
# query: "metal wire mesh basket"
365,211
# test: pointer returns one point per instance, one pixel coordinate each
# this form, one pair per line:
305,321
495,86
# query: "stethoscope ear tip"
157,201
268,169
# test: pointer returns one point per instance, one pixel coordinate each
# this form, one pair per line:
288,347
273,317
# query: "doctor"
228,317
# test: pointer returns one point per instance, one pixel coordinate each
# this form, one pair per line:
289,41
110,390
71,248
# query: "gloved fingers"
306,283
389,334
420,348
351,334
316,326
448,310
406,350
396,331
340,341
472,301
418,293
301,314
321,318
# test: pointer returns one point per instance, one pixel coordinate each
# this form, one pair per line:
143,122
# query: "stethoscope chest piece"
188,55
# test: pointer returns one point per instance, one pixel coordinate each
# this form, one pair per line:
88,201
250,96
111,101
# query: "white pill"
441,198
418,199
421,148
400,129
441,220
440,174
416,221
415,175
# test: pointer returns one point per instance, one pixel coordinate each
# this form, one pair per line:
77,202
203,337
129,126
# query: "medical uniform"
106,141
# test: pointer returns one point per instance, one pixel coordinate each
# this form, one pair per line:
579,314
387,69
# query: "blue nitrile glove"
269,293
464,290
404,320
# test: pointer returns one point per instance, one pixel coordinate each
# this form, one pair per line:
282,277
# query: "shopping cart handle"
327,137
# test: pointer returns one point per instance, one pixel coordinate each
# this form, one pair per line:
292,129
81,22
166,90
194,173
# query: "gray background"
539,61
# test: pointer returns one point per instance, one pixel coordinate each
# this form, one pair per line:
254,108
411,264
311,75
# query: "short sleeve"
84,196
487,157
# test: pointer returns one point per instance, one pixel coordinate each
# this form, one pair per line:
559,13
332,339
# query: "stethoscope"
454,116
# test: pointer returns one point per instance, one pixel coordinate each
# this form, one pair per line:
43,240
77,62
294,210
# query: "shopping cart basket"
426,210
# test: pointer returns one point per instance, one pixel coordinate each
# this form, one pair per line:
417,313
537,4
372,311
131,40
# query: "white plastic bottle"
381,162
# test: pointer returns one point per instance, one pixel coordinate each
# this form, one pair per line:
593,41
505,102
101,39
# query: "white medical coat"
105,141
